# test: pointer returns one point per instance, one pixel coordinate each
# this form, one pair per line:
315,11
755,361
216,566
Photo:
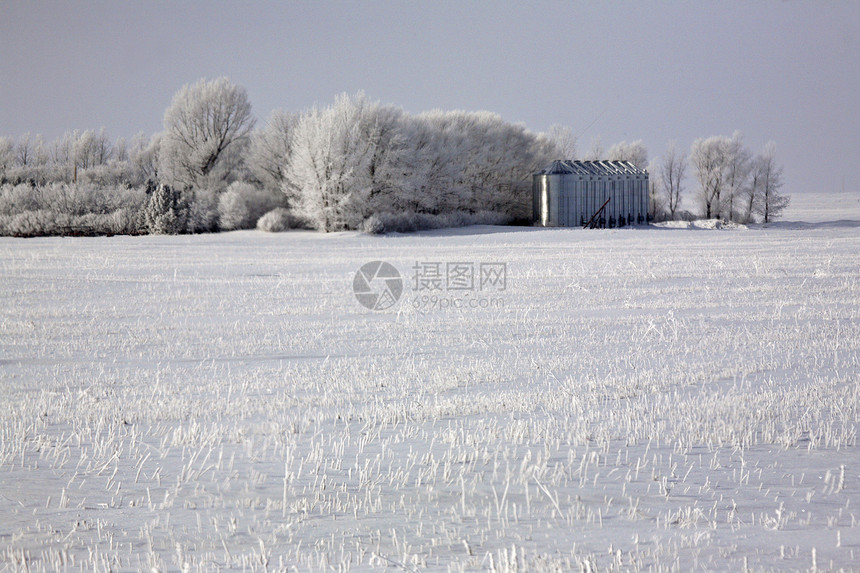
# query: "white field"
824,207
635,400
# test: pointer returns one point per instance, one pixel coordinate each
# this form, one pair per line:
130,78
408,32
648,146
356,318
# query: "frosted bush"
394,223
359,158
278,220
112,174
119,222
409,222
373,225
233,212
242,205
34,224
203,213
16,199
166,212
123,221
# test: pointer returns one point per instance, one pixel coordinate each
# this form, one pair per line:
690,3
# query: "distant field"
626,400
823,207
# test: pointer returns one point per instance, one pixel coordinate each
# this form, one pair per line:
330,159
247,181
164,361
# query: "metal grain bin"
571,193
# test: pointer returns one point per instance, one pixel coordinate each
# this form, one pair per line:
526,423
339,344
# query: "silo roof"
557,167
592,168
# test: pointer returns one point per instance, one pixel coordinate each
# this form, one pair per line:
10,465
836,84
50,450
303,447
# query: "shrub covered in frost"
166,213
242,205
203,213
278,220
30,223
70,209
409,222
373,225
16,199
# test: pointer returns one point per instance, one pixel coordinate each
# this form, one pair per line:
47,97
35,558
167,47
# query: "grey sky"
655,71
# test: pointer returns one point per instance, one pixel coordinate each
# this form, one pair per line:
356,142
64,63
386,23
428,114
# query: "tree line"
732,183
354,164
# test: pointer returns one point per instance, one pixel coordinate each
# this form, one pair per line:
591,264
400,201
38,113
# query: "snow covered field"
824,207
628,400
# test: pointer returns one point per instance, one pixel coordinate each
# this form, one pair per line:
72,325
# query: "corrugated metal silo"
571,193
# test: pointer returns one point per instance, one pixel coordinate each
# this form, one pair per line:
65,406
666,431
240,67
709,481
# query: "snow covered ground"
625,400
824,207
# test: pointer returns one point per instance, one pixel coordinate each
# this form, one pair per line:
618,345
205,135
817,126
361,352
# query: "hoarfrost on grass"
645,399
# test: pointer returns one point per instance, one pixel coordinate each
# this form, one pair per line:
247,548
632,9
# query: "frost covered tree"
202,210
24,150
205,122
344,162
562,137
358,158
62,158
770,202
737,170
635,152
32,160
269,150
120,149
242,204
656,198
672,171
7,158
492,142
595,151
473,161
723,167
90,149
75,152
499,161
708,158
752,197
166,212
432,177
143,156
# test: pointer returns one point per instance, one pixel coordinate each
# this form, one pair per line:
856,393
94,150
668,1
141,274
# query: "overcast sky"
786,71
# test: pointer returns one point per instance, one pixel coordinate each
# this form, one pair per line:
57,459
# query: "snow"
641,399
706,224
824,207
